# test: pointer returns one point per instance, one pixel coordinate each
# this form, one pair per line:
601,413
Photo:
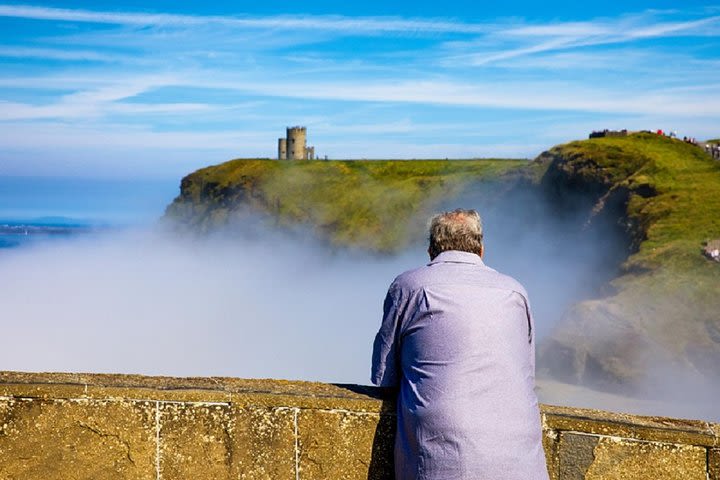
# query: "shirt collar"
456,256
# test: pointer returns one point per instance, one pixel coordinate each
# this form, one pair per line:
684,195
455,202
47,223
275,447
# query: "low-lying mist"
270,304
146,302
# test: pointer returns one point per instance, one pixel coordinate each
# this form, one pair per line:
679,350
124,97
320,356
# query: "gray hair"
456,230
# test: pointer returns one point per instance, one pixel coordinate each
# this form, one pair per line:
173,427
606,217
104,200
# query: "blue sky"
138,89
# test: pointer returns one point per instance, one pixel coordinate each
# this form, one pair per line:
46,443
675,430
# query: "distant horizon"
92,201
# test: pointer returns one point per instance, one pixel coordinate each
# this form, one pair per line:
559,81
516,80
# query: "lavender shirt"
457,339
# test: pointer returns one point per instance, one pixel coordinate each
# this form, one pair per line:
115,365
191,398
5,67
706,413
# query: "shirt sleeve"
385,358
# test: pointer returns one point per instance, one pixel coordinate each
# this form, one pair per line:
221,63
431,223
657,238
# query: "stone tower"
282,148
296,143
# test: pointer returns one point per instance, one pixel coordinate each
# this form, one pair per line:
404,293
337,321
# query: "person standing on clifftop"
457,340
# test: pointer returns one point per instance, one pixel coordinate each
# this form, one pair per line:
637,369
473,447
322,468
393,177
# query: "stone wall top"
314,395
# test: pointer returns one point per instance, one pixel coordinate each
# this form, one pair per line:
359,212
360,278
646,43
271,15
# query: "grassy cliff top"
674,192
366,203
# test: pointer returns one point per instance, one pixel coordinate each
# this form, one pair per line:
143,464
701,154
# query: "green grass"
365,203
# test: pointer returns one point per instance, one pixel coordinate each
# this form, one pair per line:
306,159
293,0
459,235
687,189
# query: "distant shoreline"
15,234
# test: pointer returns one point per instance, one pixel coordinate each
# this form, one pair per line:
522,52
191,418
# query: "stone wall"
608,133
72,426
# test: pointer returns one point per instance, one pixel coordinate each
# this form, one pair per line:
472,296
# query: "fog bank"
143,302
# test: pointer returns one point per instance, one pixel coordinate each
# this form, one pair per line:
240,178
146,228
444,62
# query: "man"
457,340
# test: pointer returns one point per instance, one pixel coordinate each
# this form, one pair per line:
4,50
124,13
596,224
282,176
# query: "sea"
40,210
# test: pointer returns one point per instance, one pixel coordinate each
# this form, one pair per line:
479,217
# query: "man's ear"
482,250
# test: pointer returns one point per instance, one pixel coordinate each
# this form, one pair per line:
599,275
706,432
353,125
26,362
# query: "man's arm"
385,358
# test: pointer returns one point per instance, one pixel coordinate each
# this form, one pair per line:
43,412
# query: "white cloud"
519,95
622,28
663,29
570,29
328,22
117,91
129,137
546,46
57,54
566,36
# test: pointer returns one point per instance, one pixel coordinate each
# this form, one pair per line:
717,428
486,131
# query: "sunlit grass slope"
365,203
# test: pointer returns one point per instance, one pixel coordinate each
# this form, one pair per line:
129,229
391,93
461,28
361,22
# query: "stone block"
551,442
344,444
77,439
222,441
650,429
713,458
616,459
575,455
195,441
265,443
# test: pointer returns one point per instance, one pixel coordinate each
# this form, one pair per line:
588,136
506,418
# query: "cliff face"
596,182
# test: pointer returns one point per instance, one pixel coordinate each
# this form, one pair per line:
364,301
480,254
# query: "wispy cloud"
620,30
107,96
623,28
479,59
18,111
520,96
286,22
57,54
98,101
120,135
566,36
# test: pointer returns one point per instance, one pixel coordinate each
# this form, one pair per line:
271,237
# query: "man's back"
457,339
